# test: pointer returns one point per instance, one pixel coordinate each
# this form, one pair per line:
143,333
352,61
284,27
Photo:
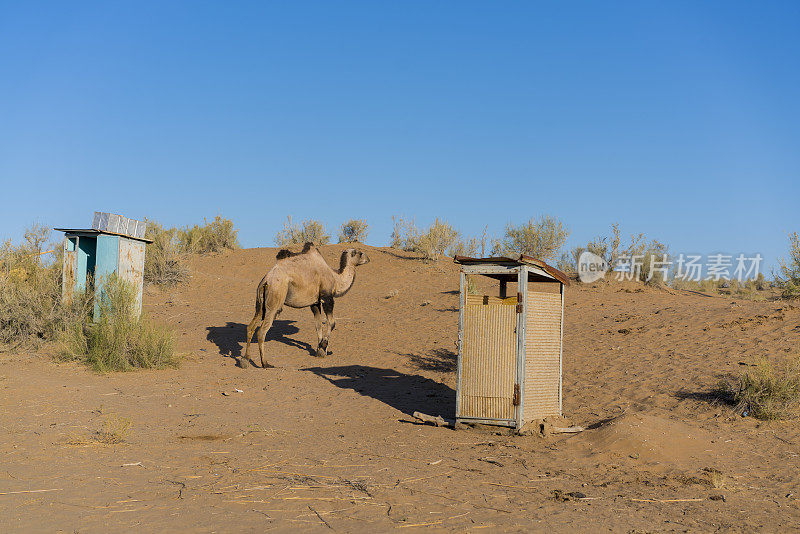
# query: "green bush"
542,238
354,230
213,236
119,341
312,231
163,264
31,305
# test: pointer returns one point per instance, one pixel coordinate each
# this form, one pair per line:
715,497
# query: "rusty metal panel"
69,281
131,266
542,392
488,358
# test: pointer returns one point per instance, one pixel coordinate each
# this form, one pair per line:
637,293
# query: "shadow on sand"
714,396
231,338
439,360
407,393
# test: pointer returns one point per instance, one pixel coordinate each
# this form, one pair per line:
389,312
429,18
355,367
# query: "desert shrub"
566,264
163,264
119,340
767,392
354,230
760,282
542,238
213,236
31,305
789,276
398,224
651,271
438,239
312,231
473,247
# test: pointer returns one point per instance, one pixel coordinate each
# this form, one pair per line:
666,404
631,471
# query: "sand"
330,444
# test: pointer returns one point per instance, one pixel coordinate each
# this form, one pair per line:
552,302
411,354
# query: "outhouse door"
487,373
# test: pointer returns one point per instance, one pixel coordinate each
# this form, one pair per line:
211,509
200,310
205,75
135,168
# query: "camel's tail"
261,299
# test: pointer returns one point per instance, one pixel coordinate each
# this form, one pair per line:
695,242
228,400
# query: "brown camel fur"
302,280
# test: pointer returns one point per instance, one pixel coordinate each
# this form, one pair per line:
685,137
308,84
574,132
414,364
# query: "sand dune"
321,444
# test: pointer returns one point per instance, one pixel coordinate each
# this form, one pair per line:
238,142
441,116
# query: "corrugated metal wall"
542,395
488,364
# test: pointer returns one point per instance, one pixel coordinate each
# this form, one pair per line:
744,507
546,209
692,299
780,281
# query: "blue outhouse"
114,244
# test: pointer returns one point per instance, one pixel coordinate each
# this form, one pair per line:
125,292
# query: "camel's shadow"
231,338
404,392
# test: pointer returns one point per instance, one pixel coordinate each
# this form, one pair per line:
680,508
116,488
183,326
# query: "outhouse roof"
94,232
515,260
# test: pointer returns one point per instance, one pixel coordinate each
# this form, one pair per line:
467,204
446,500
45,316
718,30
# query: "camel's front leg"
315,309
327,307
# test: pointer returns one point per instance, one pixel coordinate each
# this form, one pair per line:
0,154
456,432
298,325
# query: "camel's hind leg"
273,302
257,317
262,335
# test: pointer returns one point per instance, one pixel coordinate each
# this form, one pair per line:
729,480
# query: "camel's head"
353,256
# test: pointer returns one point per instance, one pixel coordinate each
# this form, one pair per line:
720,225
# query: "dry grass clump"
439,239
312,231
114,430
163,264
789,276
354,230
767,392
213,236
541,238
119,341
752,289
31,307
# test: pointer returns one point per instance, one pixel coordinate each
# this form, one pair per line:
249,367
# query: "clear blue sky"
677,119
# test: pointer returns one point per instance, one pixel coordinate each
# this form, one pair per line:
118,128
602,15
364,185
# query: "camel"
302,280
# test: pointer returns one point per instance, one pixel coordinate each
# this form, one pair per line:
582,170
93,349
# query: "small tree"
542,238
354,230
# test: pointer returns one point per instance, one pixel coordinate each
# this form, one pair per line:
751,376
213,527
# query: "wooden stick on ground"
566,430
668,500
438,420
28,491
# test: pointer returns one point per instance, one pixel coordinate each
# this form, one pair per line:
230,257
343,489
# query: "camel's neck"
344,280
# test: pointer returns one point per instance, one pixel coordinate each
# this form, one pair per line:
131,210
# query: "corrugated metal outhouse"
510,347
114,244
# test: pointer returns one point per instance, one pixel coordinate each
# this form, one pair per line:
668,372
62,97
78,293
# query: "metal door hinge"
515,400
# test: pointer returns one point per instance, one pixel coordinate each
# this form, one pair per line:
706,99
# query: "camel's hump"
286,253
